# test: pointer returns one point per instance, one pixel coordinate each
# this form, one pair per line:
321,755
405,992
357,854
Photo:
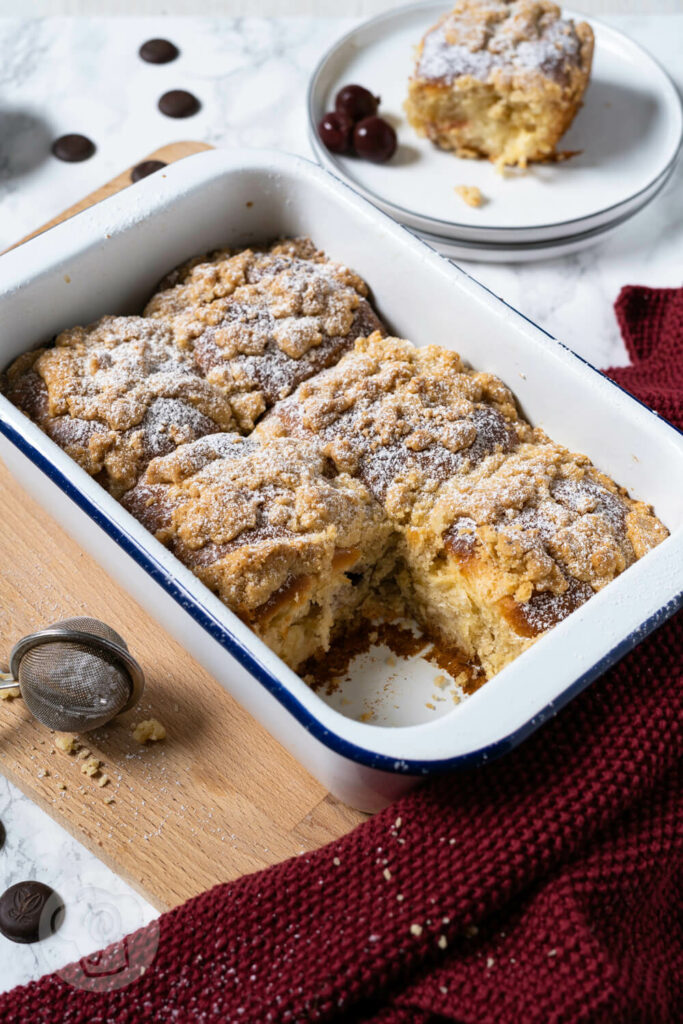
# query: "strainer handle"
8,682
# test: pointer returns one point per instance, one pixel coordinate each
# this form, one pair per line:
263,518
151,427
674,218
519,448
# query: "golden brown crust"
529,537
116,394
265,528
260,321
501,79
223,340
397,466
402,419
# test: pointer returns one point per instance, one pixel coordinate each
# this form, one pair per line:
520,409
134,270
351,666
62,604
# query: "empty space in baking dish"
108,260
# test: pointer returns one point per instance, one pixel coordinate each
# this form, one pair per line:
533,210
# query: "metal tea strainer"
75,675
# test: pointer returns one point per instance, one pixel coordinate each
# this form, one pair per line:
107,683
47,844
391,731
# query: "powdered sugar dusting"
511,36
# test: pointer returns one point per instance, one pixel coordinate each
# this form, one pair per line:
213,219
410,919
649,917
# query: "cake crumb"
443,942
398,823
43,773
103,780
84,754
552,952
336,862
470,194
490,961
11,693
400,897
62,786
416,929
66,742
90,767
387,874
149,731
109,799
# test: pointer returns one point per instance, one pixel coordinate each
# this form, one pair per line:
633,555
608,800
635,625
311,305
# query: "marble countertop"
81,75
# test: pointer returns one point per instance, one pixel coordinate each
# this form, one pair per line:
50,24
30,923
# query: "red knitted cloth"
542,888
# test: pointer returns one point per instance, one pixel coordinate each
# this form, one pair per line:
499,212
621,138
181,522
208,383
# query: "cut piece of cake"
501,79
516,545
402,419
293,548
260,322
115,395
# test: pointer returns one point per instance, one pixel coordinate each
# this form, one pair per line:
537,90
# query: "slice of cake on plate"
501,79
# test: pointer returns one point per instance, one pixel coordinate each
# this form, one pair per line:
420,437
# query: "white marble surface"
83,75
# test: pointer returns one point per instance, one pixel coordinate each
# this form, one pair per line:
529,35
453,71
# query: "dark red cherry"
355,102
374,139
335,132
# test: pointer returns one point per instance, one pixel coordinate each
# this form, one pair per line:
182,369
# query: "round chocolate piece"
179,103
158,51
146,167
29,911
73,148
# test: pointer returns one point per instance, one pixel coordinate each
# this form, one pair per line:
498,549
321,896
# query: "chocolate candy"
179,103
73,148
29,911
145,168
158,51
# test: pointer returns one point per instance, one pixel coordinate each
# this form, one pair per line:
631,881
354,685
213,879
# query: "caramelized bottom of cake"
325,672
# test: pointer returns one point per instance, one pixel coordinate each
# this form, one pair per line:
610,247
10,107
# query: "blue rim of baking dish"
345,748
436,222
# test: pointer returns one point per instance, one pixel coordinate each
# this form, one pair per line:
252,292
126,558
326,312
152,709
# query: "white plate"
628,131
528,252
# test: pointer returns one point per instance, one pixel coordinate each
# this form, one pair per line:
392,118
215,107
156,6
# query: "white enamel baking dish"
108,259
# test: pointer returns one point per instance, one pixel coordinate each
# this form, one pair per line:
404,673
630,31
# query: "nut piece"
9,694
149,731
66,741
90,767
470,194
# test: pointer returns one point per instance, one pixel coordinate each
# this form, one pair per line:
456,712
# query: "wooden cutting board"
219,797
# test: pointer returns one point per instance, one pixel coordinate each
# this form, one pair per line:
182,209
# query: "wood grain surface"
218,797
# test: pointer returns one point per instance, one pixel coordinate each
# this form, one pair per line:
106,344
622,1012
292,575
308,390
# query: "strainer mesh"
73,686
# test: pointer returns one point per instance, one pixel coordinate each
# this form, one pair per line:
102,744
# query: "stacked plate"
624,142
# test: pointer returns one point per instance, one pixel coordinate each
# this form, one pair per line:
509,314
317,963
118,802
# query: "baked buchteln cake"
223,338
115,394
501,79
512,547
380,475
403,419
293,550
501,532
260,322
